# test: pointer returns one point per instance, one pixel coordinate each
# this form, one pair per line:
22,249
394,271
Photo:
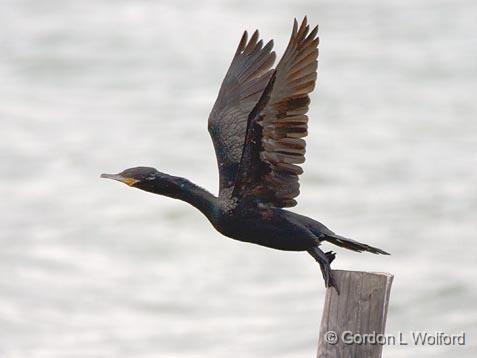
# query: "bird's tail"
352,244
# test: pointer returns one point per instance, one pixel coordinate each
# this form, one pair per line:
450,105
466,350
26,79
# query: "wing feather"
240,91
274,144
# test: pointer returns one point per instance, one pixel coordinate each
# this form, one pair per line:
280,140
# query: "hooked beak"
119,177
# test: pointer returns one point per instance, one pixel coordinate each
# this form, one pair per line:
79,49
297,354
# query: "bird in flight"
257,125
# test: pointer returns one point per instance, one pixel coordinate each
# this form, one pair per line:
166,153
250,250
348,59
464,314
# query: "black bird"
257,125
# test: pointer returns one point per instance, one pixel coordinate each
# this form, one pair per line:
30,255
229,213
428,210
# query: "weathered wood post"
357,314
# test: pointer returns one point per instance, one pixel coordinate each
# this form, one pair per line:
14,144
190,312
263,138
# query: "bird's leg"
325,259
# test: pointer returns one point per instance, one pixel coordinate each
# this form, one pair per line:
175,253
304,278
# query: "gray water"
91,268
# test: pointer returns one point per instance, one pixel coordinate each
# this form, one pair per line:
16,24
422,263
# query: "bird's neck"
196,196
200,199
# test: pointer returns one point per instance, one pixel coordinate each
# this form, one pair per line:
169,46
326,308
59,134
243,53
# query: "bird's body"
271,227
257,125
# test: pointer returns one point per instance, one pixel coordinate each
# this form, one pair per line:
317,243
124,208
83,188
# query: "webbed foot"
325,259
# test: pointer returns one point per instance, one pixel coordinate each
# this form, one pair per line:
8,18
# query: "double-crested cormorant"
257,125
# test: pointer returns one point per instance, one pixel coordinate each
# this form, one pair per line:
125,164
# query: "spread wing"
241,88
274,144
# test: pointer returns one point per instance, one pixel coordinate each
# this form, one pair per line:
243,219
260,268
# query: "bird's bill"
119,177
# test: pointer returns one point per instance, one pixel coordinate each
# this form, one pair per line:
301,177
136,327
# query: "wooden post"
360,309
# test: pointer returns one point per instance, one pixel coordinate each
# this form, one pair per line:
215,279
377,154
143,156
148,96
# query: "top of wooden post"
360,309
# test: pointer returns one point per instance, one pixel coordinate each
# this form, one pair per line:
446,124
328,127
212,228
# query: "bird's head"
148,179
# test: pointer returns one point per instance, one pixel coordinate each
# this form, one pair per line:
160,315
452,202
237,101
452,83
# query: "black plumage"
257,125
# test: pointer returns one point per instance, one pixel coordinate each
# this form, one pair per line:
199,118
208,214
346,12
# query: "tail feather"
353,245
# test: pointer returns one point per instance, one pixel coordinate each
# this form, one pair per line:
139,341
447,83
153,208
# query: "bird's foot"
325,259
330,255
329,278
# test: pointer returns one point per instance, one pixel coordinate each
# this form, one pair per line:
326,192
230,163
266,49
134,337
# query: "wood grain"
361,308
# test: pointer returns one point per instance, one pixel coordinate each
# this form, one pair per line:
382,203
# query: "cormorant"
257,125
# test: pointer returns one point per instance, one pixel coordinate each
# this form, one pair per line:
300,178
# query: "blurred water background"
91,268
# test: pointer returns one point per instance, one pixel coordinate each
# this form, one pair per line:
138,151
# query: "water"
90,268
